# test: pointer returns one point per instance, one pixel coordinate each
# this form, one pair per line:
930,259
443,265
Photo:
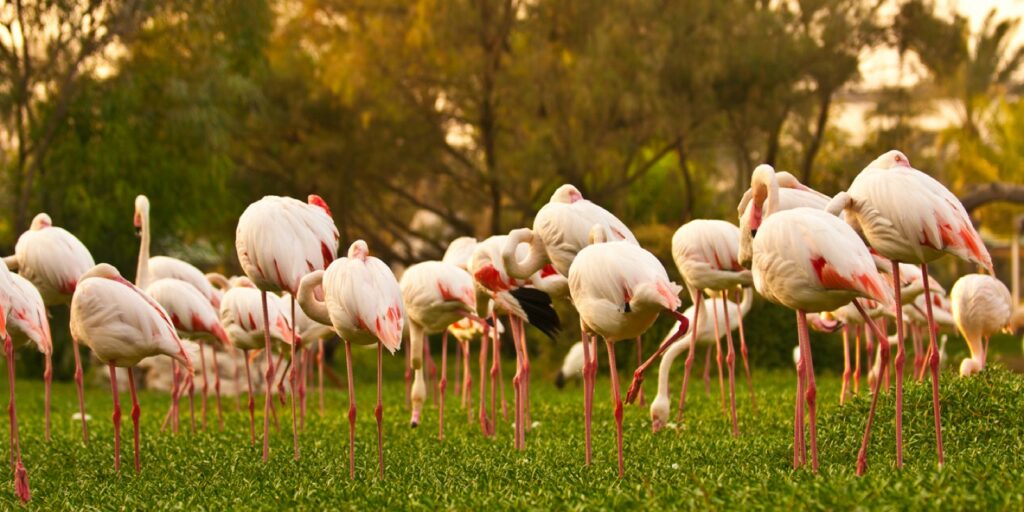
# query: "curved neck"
535,260
142,270
314,308
747,301
665,367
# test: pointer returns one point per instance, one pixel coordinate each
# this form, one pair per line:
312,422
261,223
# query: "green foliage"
697,466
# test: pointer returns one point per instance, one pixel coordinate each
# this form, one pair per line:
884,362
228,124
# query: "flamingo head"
970,366
890,160
824,322
566,194
359,250
141,211
318,201
40,221
659,413
103,270
663,294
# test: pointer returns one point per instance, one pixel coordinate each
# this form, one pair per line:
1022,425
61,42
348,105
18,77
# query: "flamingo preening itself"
908,216
279,241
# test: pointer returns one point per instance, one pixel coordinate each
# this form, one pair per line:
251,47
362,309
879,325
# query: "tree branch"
981,195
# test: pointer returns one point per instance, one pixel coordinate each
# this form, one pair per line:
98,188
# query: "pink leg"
294,384
379,413
526,380
934,364
730,360
805,356
191,402
707,371
799,449
206,386
351,413
320,373
516,385
495,377
639,361
457,381
136,412
846,364
915,333
175,396
431,372
638,375
238,379
587,395
116,417
216,392
301,378
743,352
617,403
21,488
718,352
856,361
467,382
81,392
500,376
484,426
408,375
443,384
251,401
870,327
900,358
268,396
697,306
48,380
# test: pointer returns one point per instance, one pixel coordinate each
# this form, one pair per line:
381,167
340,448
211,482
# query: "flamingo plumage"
982,306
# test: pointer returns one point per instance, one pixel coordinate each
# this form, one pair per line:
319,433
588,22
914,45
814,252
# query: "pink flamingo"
521,301
707,255
982,306
193,316
53,260
122,325
561,229
363,302
240,310
619,290
807,260
908,216
28,325
279,240
436,295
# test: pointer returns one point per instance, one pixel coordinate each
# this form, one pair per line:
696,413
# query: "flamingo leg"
484,427
900,358
430,371
718,352
21,488
294,384
707,371
48,381
730,360
588,396
743,352
516,384
238,378
175,396
443,384
206,387
136,413
500,376
302,376
467,382
915,334
870,327
116,417
690,353
268,395
639,360
457,381
527,422
320,373
192,402
495,376
856,361
351,413
933,363
408,375
799,449
811,391
79,388
846,364
251,401
616,403
216,391
379,413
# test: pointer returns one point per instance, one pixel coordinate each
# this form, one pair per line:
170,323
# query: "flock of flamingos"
850,261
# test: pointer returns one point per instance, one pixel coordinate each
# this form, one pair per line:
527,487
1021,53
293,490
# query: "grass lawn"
695,466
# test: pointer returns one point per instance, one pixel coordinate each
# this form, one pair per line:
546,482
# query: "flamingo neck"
142,276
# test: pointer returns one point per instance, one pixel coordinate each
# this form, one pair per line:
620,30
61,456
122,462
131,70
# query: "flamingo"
982,306
240,310
363,302
704,332
914,315
28,325
466,330
122,325
53,260
158,267
619,290
707,255
572,365
458,253
807,260
850,319
279,240
520,301
561,229
908,216
193,316
436,295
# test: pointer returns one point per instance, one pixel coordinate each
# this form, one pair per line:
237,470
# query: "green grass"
696,466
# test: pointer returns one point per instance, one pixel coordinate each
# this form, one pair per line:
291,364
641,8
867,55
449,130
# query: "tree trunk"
807,167
684,170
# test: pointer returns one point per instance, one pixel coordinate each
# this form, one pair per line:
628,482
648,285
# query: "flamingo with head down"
982,306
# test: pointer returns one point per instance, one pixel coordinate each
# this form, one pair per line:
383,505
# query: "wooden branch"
980,195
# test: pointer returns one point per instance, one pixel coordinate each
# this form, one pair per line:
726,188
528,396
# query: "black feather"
539,312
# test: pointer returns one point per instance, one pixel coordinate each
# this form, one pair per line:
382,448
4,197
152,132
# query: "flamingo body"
982,306
52,259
